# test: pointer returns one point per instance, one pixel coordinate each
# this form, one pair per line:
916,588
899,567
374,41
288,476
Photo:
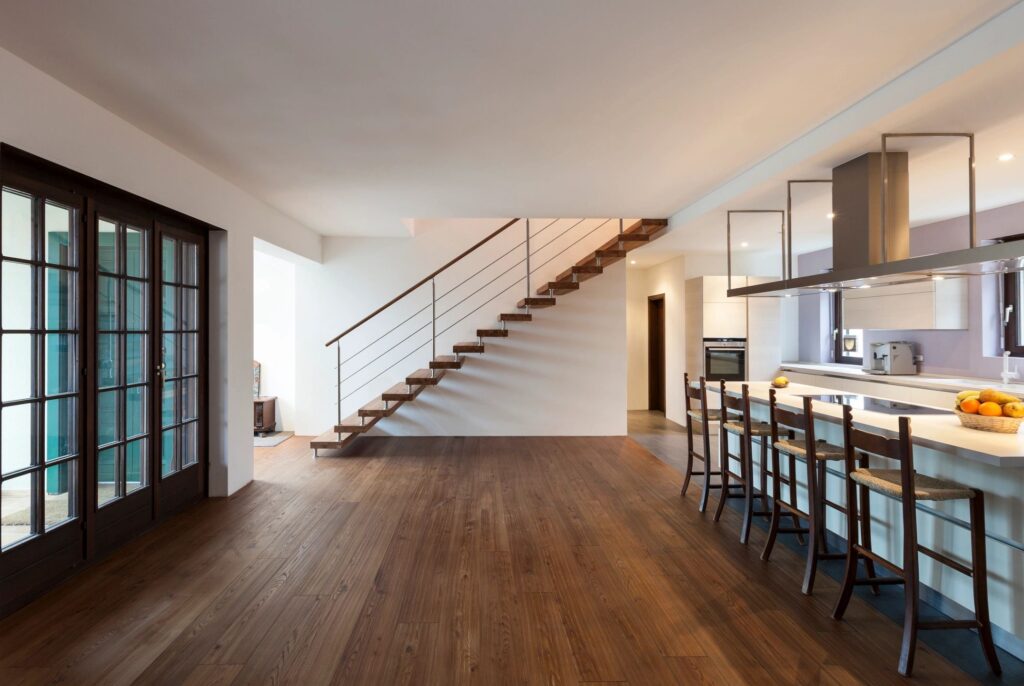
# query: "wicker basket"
1002,425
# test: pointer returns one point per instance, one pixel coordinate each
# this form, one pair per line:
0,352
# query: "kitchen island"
990,462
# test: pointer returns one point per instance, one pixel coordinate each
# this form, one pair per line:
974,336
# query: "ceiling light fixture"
831,215
938,278
744,244
632,261
1006,157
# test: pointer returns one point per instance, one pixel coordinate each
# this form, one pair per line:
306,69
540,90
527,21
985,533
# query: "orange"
990,409
970,405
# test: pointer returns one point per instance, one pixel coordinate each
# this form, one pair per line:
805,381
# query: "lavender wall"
971,352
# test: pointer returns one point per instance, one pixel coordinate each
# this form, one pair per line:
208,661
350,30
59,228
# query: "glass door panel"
39,362
122,374
179,415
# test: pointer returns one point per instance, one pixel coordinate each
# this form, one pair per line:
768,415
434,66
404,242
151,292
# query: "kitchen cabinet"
920,305
723,317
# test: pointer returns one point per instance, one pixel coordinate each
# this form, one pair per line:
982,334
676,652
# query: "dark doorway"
656,352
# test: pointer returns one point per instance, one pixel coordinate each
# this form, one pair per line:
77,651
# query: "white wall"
667,278
274,331
562,374
46,118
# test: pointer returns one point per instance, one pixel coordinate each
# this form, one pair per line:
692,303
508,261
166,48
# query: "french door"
102,376
147,425
40,387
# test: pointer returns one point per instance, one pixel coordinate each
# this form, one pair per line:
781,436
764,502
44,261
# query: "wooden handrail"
416,285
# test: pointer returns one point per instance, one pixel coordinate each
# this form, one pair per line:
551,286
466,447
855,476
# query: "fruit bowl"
1002,425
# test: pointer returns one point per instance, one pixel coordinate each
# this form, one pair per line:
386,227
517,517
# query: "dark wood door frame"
32,567
656,352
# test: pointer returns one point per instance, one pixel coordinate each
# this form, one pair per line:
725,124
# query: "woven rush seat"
822,449
887,482
713,415
756,428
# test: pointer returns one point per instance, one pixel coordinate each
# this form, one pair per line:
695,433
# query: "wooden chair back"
867,443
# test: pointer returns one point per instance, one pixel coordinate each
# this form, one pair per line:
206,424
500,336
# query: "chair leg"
723,467
850,572
980,578
747,470
822,492
706,486
764,473
864,522
911,592
773,529
814,535
689,455
792,494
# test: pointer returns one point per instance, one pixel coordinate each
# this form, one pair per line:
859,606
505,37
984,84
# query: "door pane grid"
39,339
179,336
123,373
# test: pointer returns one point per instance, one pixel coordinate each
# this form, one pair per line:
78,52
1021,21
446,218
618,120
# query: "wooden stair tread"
401,392
516,317
558,287
331,440
423,377
536,302
468,347
446,362
608,256
356,424
380,408
492,333
580,272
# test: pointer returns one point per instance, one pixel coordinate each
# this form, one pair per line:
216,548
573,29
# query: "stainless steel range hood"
872,248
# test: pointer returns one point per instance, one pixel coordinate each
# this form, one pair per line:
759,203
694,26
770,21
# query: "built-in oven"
725,359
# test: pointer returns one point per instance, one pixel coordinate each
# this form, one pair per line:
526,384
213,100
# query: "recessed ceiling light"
831,215
938,278
744,244
632,261
1006,157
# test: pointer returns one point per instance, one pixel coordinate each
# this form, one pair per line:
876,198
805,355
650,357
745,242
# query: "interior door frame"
656,395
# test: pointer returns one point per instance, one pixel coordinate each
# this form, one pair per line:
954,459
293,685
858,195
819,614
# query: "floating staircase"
636,235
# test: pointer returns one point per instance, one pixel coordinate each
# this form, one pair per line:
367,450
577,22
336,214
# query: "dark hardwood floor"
450,561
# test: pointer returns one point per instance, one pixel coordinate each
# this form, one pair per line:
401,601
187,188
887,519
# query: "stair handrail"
421,282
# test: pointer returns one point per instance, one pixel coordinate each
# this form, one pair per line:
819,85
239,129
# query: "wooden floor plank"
452,561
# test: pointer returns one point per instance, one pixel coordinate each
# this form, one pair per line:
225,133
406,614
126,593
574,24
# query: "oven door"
725,364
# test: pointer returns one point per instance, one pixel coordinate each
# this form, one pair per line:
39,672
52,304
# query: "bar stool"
907,486
705,416
736,420
814,454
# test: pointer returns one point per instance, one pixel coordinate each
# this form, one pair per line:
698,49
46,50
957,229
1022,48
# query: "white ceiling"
352,116
987,100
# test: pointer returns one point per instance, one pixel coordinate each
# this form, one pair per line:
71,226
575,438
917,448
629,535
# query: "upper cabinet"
922,305
723,317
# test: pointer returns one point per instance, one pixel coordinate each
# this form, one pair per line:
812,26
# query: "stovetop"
866,402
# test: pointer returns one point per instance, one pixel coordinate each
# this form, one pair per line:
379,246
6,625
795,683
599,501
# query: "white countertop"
941,432
936,382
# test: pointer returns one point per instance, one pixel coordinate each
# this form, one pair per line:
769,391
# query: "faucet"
1007,375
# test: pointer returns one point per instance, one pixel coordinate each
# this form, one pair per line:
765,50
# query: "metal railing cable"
432,324
448,292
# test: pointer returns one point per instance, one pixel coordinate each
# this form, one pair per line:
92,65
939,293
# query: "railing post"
620,228
433,324
337,347
528,258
